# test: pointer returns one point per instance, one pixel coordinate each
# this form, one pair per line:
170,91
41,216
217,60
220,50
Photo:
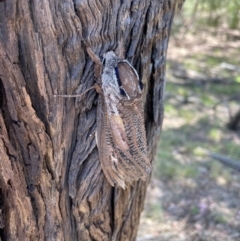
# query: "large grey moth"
120,134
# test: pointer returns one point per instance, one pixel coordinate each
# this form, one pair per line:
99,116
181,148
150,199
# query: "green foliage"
219,174
212,13
215,134
219,218
168,164
194,210
155,212
237,79
199,128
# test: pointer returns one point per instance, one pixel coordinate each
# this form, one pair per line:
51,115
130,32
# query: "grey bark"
51,183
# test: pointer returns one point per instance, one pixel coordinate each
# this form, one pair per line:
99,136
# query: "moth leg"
97,61
98,88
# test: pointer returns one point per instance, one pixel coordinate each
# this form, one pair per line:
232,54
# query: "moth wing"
136,137
107,154
127,150
132,114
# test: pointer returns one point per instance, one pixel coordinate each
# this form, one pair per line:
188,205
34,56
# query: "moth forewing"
106,149
136,138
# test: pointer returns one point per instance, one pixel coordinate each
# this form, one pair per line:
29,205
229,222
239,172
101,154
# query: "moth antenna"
78,95
93,56
95,59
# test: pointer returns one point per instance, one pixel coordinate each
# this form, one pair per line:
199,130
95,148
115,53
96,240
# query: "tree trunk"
234,123
51,183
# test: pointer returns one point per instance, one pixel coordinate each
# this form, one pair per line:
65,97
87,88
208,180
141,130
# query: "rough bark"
51,183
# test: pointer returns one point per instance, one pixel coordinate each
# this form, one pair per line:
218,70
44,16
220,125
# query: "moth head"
110,59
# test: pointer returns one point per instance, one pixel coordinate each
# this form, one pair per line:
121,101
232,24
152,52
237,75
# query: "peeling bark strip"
51,183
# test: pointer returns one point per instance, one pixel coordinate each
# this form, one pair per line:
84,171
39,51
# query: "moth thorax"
110,60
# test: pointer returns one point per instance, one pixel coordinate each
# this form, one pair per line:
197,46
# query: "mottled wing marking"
106,149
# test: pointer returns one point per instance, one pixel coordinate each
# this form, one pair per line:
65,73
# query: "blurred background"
195,189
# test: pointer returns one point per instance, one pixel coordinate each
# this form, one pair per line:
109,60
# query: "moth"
120,133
